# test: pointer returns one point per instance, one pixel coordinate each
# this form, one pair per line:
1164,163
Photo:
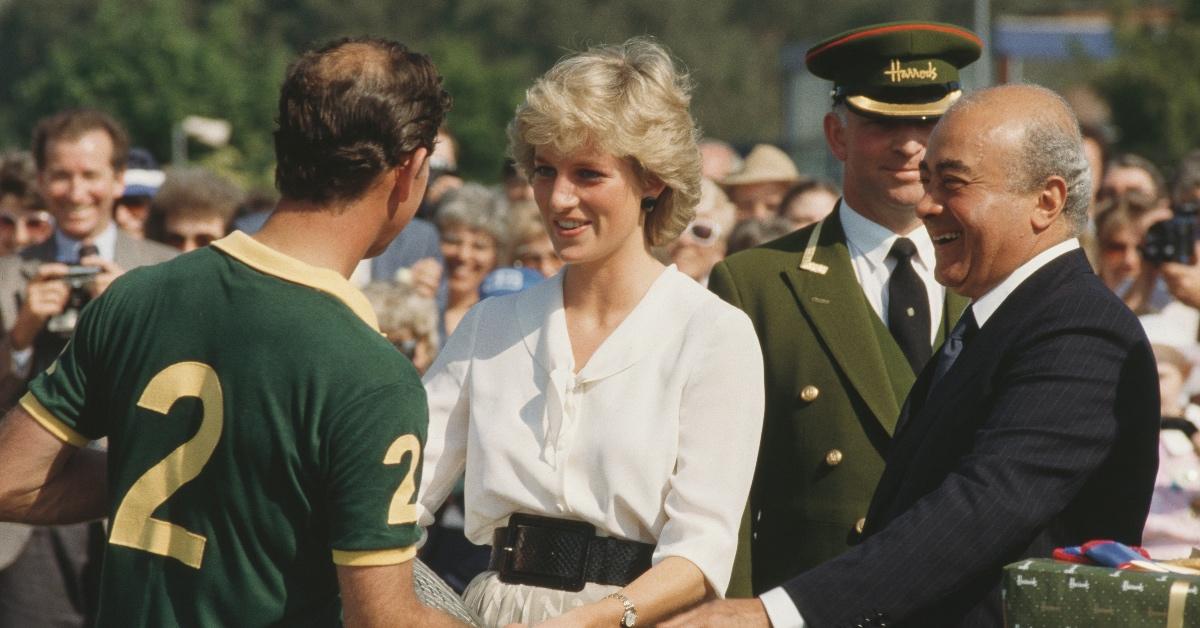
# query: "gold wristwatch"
629,617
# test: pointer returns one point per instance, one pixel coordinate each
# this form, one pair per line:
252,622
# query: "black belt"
564,555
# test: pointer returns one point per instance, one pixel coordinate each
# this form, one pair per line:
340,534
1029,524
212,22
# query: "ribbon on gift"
1177,603
1105,553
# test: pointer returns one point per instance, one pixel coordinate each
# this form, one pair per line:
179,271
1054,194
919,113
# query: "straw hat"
764,164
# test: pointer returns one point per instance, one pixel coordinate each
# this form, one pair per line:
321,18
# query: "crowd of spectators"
1134,208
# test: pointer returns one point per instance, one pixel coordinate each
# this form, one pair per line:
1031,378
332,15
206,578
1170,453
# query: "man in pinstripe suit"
1034,427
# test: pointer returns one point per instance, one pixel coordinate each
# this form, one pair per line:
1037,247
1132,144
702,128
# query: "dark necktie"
908,306
958,338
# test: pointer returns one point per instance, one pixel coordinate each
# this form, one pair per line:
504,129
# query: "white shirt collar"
986,305
67,248
874,241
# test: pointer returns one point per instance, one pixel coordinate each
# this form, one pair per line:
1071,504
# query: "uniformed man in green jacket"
847,310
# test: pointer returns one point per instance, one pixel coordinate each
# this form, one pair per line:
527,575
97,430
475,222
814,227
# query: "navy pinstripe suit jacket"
1043,433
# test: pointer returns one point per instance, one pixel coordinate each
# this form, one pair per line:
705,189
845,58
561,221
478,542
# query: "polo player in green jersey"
264,439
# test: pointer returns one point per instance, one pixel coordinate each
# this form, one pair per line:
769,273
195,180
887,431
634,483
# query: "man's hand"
46,480
108,272
45,296
720,613
1184,280
383,596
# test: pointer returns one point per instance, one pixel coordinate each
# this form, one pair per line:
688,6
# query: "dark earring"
648,203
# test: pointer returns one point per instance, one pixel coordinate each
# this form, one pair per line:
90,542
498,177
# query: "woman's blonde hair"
629,101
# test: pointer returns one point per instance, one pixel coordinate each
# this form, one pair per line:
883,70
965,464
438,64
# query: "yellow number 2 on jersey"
133,526
400,511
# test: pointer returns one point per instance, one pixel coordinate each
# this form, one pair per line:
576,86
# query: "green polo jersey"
260,430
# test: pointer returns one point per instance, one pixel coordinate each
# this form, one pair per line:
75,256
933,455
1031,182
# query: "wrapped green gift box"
1044,593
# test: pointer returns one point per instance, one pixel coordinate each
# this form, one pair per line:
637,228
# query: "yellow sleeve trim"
53,424
374,558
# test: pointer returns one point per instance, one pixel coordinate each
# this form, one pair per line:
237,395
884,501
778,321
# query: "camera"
77,278
1173,239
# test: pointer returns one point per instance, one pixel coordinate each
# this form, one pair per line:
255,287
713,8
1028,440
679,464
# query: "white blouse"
655,439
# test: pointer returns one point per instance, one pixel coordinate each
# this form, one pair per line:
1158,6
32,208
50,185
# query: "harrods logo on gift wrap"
1042,593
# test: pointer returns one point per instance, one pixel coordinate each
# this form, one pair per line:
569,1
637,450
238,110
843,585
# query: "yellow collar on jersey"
265,259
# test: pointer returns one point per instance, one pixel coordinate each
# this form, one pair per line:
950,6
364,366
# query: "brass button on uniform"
809,392
860,524
834,457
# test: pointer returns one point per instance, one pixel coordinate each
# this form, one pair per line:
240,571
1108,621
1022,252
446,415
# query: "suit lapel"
124,253
992,336
828,292
955,304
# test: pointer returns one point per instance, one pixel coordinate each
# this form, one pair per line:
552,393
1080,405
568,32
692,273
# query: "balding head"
349,112
1043,132
1005,179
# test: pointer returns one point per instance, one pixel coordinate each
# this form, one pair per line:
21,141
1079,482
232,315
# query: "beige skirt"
499,604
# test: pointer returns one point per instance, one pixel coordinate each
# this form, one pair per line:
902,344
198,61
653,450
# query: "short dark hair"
71,124
18,178
806,186
1132,160
350,111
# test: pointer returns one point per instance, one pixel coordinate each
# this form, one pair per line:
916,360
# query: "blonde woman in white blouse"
618,403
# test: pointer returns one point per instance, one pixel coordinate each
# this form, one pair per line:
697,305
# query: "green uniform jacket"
835,382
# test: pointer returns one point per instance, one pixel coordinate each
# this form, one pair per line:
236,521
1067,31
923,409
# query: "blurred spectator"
1120,225
473,225
702,243
532,247
443,173
193,207
143,177
751,233
758,188
718,159
1166,294
699,248
1173,525
808,202
425,276
1174,370
1183,280
516,186
1129,173
81,155
416,249
407,318
255,210
1096,149
24,220
1187,180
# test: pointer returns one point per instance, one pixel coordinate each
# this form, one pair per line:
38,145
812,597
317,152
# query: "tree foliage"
1152,89
152,62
